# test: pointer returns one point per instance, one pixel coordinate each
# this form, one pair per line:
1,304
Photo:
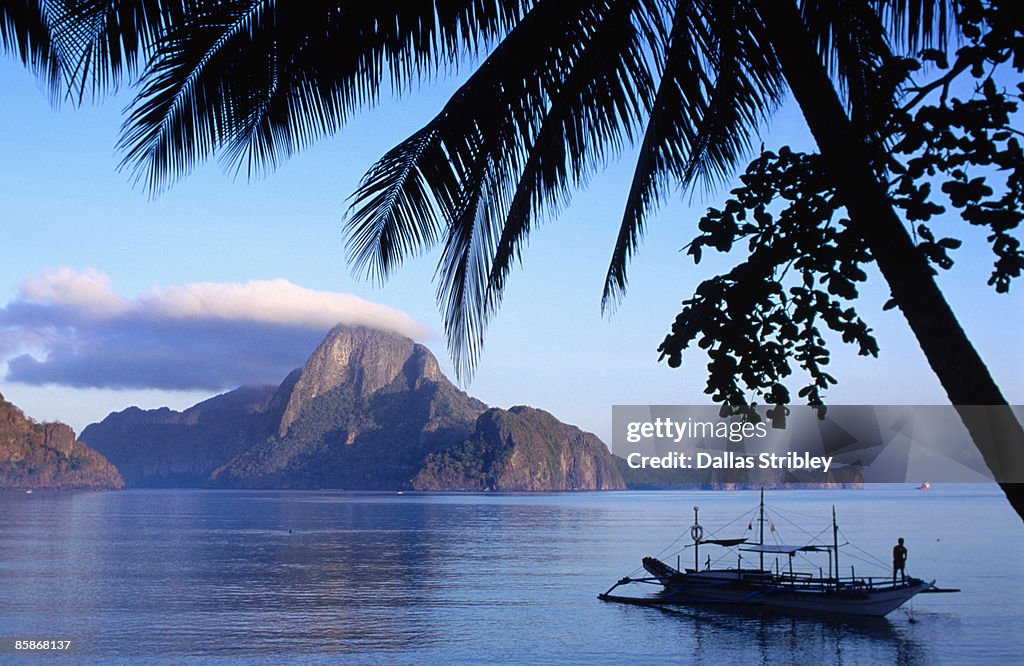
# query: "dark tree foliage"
802,267
767,317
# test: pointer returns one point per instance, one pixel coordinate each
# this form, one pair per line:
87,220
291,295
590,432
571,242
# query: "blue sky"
71,218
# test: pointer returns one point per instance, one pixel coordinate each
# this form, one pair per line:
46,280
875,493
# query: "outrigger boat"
786,591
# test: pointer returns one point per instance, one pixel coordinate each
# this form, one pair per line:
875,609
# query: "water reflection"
714,636
280,573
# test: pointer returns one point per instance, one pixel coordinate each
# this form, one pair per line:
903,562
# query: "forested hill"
47,456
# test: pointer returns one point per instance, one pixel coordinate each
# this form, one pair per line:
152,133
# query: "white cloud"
88,290
273,301
71,328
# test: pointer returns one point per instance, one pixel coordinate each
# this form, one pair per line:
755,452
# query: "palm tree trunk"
964,376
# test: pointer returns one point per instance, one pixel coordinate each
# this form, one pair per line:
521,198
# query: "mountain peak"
363,359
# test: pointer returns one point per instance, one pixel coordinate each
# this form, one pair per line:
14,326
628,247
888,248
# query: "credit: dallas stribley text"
729,460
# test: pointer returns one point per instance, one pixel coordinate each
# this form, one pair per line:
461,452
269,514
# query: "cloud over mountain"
70,327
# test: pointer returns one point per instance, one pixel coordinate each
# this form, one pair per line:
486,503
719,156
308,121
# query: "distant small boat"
924,486
756,587
28,492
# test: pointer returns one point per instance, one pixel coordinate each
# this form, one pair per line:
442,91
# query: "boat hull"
741,589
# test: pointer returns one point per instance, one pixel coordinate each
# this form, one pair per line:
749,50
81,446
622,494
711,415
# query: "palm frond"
918,24
468,245
25,31
721,81
102,41
183,110
403,209
664,149
264,79
597,109
320,78
563,91
503,96
747,88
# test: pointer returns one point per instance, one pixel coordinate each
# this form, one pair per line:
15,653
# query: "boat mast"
696,533
835,541
761,520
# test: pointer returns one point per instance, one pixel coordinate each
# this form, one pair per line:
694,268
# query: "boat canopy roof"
788,550
728,543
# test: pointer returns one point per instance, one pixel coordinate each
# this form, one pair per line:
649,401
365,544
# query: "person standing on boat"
899,561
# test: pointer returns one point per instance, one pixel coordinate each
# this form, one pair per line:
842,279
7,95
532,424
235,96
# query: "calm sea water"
329,577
